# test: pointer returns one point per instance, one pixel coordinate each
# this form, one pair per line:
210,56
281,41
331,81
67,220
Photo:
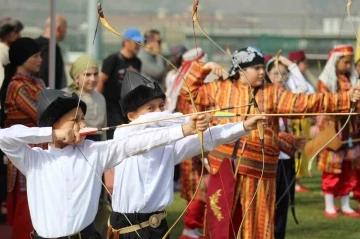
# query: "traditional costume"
339,166
259,221
143,202
285,187
62,182
19,94
190,168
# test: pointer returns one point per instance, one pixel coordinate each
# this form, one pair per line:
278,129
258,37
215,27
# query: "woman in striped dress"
19,96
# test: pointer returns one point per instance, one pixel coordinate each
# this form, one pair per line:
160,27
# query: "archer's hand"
67,136
196,122
300,142
354,93
216,69
251,122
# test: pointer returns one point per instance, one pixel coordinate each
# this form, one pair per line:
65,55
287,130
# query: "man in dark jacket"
43,42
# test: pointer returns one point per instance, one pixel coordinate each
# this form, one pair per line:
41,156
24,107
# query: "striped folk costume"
259,221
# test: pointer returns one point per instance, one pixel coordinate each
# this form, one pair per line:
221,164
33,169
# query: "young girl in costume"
339,167
258,201
279,75
19,94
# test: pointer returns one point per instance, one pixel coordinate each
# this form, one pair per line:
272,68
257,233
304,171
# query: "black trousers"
117,221
285,174
87,233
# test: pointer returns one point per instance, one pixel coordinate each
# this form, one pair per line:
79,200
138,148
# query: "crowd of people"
51,174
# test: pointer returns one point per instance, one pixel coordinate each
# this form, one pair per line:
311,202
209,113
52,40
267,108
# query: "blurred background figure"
112,73
153,66
176,53
9,32
43,42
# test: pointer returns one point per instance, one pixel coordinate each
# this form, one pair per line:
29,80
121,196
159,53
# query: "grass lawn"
309,209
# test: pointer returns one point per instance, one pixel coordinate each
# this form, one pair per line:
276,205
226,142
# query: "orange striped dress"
259,221
331,161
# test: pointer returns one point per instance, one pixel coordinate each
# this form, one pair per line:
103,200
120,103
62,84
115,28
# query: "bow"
353,105
260,127
200,134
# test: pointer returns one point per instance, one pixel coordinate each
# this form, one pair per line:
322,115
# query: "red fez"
297,56
267,58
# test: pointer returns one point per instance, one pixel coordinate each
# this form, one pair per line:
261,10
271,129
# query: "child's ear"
131,116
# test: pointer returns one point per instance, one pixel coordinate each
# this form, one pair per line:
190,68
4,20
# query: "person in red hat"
299,58
339,166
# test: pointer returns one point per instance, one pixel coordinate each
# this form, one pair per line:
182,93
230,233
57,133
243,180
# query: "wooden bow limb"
260,126
110,28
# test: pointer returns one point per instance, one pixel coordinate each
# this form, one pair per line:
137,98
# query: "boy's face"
67,121
155,105
254,74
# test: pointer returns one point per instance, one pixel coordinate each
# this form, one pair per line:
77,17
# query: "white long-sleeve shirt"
63,190
144,183
297,82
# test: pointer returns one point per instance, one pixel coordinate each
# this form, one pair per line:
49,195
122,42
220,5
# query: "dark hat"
53,104
22,49
136,90
8,25
246,57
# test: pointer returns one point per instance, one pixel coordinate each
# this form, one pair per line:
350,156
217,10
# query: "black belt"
87,231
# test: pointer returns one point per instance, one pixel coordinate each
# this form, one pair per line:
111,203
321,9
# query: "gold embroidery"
214,199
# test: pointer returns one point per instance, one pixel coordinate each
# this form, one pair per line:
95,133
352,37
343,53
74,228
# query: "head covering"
328,75
53,104
178,50
246,57
21,50
78,67
297,56
136,90
134,35
8,25
267,58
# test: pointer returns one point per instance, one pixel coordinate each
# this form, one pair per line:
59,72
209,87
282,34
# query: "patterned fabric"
331,161
286,143
20,108
246,57
259,221
270,99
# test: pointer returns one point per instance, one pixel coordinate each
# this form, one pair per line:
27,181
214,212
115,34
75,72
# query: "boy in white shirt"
143,184
63,182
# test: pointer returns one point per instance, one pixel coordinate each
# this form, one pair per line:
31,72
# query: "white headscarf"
328,75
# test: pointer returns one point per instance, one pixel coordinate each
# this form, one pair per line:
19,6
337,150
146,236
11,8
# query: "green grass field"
309,209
